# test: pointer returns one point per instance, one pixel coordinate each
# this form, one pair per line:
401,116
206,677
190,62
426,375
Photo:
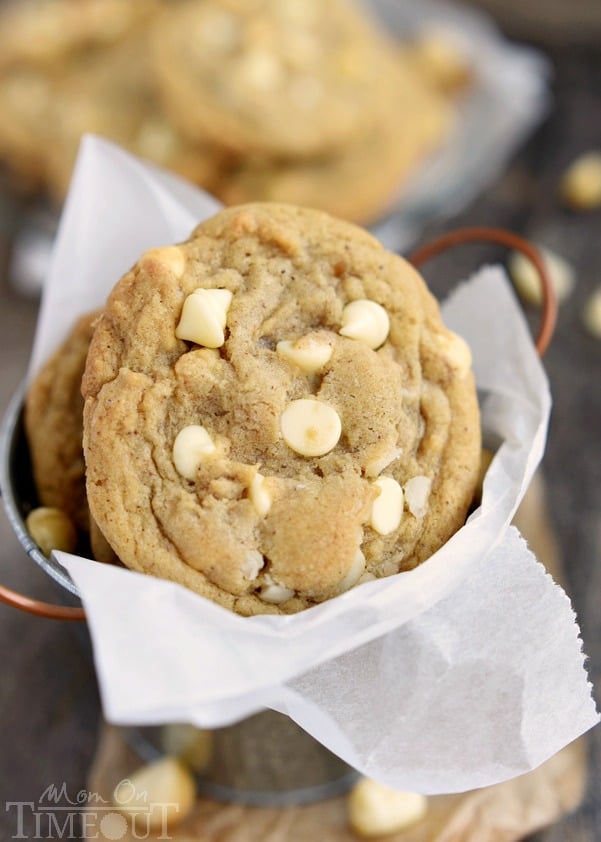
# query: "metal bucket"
265,760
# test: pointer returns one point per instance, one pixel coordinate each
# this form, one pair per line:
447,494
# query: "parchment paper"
462,673
503,812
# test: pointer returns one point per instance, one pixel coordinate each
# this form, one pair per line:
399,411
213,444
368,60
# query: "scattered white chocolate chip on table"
366,321
591,315
580,185
378,810
310,427
191,446
51,529
164,791
204,317
526,279
387,508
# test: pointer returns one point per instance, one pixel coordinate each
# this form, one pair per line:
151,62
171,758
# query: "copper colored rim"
41,609
512,241
417,258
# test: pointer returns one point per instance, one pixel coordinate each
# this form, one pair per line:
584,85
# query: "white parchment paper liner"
461,673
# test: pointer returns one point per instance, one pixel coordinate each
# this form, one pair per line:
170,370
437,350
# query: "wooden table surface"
49,706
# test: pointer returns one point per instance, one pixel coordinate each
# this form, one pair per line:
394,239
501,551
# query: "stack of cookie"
302,101
274,413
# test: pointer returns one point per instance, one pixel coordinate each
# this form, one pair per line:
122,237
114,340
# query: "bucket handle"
460,237
510,240
40,609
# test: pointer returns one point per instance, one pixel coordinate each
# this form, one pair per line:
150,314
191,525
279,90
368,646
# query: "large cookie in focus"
274,411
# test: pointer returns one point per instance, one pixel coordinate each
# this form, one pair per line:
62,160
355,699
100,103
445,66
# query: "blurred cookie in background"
304,102
45,32
112,94
364,180
278,78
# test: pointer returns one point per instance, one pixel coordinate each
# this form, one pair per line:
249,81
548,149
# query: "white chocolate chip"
456,351
275,593
526,279
191,744
375,468
417,491
252,565
387,508
191,446
204,317
51,529
164,791
310,427
592,314
259,495
308,353
378,810
354,573
170,257
581,183
367,321
260,70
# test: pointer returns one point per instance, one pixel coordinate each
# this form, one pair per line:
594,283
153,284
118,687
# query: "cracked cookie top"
275,412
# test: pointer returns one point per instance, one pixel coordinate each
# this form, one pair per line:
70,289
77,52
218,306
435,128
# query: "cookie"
54,425
101,549
25,97
111,94
293,78
362,181
274,411
43,33
300,101
45,110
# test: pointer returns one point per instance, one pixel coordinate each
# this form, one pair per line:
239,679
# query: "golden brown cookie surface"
274,411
